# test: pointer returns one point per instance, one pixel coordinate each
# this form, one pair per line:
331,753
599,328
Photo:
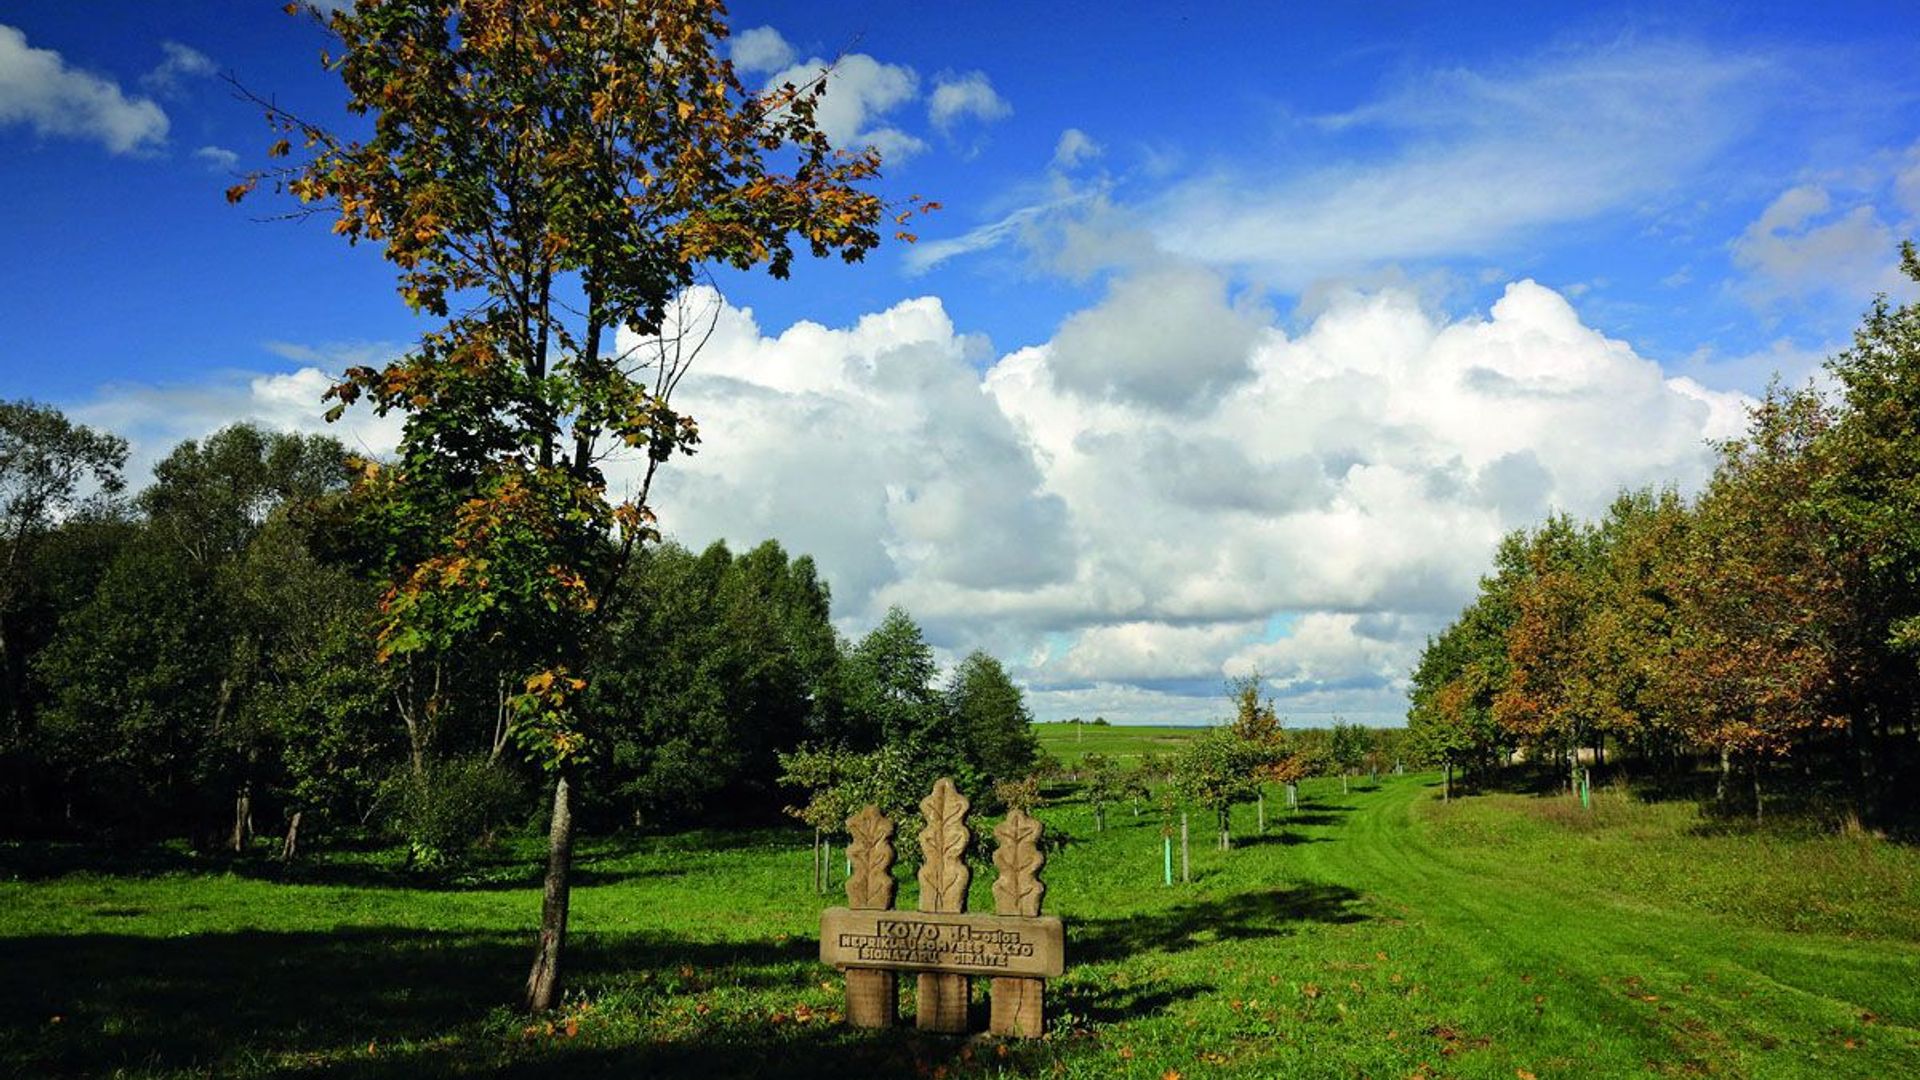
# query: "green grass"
1124,743
1375,934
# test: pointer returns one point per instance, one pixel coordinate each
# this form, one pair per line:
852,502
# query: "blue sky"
1243,333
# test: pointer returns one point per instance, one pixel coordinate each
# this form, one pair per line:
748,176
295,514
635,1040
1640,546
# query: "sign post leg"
873,998
1018,1008
943,1004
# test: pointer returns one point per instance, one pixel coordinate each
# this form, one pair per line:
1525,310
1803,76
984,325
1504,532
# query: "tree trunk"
1446,783
1757,812
291,846
1226,830
1261,799
1343,783
815,857
543,982
242,820
1726,775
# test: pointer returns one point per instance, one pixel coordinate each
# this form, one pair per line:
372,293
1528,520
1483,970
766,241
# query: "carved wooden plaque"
938,941
1018,889
871,852
943,843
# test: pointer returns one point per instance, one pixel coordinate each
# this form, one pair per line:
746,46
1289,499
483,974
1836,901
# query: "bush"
452,807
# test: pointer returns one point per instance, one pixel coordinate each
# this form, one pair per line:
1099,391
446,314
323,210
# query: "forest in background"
198,661
1771,624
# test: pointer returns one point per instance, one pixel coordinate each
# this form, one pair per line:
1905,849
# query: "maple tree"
548,178
1761,646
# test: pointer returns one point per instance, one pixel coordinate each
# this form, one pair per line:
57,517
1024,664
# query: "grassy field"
1125,744
1377,934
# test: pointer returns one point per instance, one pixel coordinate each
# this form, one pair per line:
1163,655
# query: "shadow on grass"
516,863
1278,834
395,1002
1243,916
139,1002
406,1004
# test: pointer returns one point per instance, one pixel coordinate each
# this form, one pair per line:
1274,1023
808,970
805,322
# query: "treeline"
1771,625
199,660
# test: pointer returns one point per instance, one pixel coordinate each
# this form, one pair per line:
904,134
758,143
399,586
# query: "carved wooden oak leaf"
943,871
1018,888
870,886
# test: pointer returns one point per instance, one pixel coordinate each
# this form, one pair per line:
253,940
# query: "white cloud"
760,49
38,89
217,158
860,91
1148,651
1803,246
155,418
1075,146
182,62
1133,548
1329,500
1165,337
969,95
1473,162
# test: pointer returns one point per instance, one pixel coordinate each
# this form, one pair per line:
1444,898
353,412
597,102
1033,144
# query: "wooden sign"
1018,948
937,942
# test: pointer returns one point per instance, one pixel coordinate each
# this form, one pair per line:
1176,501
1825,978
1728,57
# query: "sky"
1243,333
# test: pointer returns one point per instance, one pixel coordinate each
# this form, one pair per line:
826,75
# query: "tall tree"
1869,497
992,721
1547,701
1764,636
893,697
48,466
554,173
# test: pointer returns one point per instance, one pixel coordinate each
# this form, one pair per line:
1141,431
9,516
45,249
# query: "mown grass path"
1641,986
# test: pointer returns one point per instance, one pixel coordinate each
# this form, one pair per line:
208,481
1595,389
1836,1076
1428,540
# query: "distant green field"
1375,934
1071,742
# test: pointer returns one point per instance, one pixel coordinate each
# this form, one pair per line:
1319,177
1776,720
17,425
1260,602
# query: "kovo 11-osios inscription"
1034,947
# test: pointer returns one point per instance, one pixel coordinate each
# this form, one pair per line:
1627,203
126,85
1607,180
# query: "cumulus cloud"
1169,337
1804,246
966,96
876,443
1075,146
217,158
181,63
1330,500
38,89
155,418
1122,541
760,49
860,91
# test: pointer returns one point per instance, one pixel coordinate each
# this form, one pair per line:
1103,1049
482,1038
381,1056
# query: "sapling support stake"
1186,865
